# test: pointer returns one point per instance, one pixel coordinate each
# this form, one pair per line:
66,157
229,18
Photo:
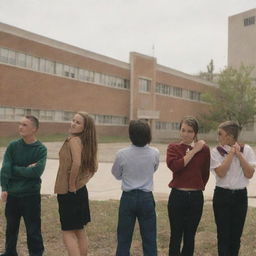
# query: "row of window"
177,92
55,68
15,114
167,125
249,21
145,86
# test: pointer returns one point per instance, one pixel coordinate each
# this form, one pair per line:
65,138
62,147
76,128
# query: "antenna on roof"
153,50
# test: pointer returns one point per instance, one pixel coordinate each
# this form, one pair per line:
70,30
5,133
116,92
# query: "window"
88,75
186,94
249,21
103,79
12,57
9,113
46,115
35,63
3,55
73,72
81,74
42,65
2,113
144,85
49,66
21,59
167,125
66,70
97,78
29,62
68,116
126,84
59,69
59,116
177,91
110,120
194,95
19,113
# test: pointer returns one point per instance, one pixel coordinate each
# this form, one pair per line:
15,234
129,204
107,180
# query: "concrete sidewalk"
103,186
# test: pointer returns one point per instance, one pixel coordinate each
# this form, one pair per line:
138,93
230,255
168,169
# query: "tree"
234,99
210,69
209,74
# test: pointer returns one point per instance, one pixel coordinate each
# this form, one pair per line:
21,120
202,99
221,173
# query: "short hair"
192,122
34,120
139,133
232,128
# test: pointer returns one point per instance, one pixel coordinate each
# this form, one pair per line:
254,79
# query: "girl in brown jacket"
77,164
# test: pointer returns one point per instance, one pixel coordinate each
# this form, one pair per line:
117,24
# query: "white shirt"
135,166
234,178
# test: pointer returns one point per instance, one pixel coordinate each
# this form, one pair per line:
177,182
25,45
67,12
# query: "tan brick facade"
27,88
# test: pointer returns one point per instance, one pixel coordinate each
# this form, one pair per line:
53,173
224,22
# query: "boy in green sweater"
23,164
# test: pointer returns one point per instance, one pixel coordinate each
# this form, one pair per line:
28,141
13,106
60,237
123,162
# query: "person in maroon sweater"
189,161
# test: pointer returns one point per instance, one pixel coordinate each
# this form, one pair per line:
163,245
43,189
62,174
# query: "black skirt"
74,209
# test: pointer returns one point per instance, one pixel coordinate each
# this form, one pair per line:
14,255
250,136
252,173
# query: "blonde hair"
89,142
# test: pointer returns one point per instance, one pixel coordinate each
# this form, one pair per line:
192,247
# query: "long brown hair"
89,143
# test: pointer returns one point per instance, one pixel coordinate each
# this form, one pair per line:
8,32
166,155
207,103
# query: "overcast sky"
184,35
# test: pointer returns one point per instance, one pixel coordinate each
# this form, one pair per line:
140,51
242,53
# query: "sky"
183,35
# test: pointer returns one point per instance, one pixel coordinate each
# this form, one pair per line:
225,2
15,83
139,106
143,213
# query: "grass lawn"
102,231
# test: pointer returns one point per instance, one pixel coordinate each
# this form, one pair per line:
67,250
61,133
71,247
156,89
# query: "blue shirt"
135,166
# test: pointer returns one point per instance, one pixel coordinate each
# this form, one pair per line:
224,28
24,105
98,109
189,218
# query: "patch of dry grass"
102,231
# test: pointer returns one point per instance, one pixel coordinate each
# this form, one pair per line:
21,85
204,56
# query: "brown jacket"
65,167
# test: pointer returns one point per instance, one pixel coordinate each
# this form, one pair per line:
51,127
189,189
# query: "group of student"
189,160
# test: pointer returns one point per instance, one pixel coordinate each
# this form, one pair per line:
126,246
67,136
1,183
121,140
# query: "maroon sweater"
195,174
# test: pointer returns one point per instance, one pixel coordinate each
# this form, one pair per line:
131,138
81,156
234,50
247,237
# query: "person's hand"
199,145
236,148
72,189
32,165
4,195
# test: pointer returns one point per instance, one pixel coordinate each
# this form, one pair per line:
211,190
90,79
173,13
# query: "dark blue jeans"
141,205
28,207
230,208
185,210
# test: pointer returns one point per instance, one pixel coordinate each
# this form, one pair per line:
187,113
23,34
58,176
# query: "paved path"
103,186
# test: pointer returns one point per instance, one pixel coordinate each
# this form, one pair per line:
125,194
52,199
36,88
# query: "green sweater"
16,177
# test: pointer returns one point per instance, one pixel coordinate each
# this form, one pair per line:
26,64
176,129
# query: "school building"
52,80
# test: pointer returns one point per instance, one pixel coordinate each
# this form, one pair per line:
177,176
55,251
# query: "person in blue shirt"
135,166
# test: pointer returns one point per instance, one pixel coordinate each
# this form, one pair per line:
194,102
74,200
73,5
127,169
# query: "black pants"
230,208
185,210
28,207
